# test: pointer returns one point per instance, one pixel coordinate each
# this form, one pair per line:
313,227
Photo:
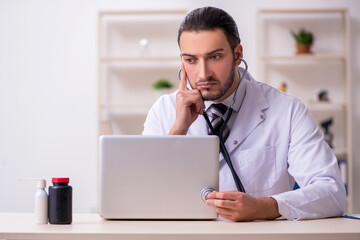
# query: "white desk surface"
92,226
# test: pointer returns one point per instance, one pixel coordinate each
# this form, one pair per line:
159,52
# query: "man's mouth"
205,85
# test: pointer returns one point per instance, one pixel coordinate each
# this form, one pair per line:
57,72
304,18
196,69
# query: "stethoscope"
223,149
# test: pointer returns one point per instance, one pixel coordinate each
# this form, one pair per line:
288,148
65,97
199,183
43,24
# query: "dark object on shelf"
323,96
328,136
283,87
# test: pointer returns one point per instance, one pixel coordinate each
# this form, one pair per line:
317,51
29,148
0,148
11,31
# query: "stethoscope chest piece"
205,192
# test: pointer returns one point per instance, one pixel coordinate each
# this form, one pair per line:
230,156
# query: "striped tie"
218,110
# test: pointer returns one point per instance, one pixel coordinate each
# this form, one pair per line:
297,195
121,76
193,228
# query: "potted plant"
162,86
304,40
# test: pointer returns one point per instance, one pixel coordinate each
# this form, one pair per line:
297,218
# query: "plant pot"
303,48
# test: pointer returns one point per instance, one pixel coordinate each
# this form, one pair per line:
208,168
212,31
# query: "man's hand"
189,105
238,206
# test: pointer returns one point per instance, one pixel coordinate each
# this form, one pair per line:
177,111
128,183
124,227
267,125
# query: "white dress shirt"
273,142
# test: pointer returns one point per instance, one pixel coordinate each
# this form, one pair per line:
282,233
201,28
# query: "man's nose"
204,71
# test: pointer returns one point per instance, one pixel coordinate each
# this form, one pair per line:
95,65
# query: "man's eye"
190,60
216,57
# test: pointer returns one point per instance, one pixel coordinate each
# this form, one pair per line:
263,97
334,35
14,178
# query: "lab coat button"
235,142
262,116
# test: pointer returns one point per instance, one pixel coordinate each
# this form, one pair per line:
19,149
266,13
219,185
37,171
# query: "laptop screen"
157,177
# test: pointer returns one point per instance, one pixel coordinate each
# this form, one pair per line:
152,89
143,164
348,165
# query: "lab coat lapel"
249,117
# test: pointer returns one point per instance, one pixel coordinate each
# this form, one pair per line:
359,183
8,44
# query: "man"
272,139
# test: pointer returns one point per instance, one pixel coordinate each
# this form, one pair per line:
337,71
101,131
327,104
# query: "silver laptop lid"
157,177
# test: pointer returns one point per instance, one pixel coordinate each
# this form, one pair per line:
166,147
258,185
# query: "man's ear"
238,53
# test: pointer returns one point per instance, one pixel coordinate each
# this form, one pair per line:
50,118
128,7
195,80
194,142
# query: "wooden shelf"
301,11
340,151
120,109
305,57
159,12
143,63
139,59
326,106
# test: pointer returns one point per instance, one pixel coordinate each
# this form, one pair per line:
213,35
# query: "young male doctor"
271,137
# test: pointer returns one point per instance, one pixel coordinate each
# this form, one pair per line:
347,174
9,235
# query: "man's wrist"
177,131
269,209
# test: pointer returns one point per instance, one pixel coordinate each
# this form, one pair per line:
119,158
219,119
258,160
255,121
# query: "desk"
92,226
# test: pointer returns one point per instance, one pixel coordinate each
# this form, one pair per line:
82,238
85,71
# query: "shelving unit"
136,48
327,68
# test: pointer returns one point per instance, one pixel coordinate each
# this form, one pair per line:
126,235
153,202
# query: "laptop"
157,177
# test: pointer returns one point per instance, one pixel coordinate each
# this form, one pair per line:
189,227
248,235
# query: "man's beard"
207,96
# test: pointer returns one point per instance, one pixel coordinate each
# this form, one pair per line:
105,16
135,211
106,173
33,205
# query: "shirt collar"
240,94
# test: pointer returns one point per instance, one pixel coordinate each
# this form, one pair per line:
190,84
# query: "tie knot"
218,109
217,122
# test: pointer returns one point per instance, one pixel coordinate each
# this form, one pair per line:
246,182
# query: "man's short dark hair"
208,19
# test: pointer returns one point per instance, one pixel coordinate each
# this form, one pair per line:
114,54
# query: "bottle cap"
41,183
60,180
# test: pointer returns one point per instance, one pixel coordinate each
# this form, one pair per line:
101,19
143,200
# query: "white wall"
48,81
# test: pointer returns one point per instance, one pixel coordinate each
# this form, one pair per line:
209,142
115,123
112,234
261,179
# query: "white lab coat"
274,141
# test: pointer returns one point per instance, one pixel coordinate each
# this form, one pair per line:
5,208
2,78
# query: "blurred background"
73,70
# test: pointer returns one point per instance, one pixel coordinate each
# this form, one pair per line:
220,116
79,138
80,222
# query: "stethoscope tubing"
223,149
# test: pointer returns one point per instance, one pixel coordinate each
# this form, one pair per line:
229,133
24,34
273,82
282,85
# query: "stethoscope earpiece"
246,66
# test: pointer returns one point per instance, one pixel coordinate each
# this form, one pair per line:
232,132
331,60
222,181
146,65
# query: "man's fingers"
225,212
226,200
191,98
182,85
227,204
232,195
200,107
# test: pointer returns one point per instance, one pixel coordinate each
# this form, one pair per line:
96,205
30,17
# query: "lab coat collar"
251,114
